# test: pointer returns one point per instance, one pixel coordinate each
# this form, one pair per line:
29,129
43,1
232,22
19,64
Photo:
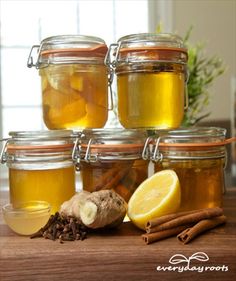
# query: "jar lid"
112,144
192,143
152,47
193,137
55,140
64,49
39,149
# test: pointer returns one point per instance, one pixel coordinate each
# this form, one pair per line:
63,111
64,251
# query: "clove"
64,228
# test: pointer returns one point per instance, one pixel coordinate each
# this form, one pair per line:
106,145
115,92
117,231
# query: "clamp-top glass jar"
115,160
40,166
151,79
198,155
74,81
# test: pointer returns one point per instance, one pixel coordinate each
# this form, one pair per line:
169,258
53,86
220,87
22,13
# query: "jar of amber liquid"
198,156
113,159
151,80
40,167
74,81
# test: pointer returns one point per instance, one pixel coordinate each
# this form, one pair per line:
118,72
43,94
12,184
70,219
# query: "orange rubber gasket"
98,50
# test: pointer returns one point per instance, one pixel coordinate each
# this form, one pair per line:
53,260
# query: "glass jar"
40,166
74,81
198,156
115,160
151,80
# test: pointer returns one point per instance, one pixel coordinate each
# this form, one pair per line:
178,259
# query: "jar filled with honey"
113,159
151,80
198,156
40,166
74,81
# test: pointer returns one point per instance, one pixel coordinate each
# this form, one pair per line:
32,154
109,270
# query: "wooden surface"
118,255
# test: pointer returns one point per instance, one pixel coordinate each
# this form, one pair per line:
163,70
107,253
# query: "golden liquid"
53,185
122,176
27,223
74,96
151,100
201,181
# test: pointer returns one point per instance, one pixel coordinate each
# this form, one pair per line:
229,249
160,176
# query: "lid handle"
157,156
145,153
3,152
30,61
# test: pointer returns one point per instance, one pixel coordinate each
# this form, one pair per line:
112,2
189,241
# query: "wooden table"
119,255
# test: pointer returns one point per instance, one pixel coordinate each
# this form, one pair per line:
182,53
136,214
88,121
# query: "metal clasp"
111,66
30,61
146,151
108,58
75,155
37,64
110,80
3,152
157,156
88,156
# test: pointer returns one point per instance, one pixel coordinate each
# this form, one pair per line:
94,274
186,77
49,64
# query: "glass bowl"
28,217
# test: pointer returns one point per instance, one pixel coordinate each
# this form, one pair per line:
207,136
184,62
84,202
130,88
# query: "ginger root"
72,206
104,208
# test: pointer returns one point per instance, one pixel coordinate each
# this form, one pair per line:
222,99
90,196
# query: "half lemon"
157,196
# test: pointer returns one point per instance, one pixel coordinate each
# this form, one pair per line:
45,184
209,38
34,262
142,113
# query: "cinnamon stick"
190,233
112,177
160,220
190,218
156,236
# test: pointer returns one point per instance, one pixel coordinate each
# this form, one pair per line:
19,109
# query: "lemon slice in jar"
157,196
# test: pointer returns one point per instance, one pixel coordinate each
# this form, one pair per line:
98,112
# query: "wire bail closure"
76,154
3,159
157,156
37,64
111,64
146,150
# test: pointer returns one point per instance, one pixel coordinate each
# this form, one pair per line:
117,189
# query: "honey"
114,160
151,76
26,218
202,182
41,167
50,185
121,176
72,95
74,81
138,108
198,156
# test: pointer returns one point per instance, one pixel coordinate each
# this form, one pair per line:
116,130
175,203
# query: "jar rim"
40,148
68,49
192,137
113,133
97,51
41,141
100,148
161,39
112,143
42,134
151,47
190,143
71,40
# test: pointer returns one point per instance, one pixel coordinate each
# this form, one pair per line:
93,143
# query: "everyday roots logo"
184,264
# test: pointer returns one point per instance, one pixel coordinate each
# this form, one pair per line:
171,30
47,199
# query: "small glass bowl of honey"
28,217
